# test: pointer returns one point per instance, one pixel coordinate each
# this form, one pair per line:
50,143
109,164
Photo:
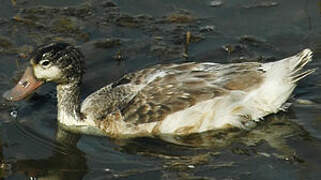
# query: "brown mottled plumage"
184,86
180,87
164,99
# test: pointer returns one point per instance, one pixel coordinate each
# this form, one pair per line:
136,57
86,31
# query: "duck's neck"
68,96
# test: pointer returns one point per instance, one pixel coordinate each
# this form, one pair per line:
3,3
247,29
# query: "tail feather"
297,63
304,57
297,77
281,79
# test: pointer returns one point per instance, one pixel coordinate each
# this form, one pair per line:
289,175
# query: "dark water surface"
122,36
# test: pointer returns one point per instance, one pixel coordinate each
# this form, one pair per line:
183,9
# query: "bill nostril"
24,84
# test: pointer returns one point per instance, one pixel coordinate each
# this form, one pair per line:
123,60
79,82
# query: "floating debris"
304,101
264,154
180,18
222,165
207,28
5,168
119,56
187,42
191,166
231,48
107,170
216,3
188,37
14,114
292,157
159,38
228,48
262,4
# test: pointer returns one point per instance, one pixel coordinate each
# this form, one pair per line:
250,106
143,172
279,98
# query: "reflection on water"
118,37
182,154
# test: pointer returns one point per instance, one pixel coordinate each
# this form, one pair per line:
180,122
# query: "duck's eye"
45,63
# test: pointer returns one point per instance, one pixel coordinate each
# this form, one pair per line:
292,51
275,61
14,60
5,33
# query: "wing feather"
187,84
153,93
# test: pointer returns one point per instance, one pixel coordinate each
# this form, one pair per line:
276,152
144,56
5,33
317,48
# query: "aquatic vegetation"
107,43
180,18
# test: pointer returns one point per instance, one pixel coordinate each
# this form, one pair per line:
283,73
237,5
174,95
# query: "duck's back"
172,92
185,85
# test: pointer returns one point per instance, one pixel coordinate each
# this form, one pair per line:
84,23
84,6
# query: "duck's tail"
280,80
290,69
296,64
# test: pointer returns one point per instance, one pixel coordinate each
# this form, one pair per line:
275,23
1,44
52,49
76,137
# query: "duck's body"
177,98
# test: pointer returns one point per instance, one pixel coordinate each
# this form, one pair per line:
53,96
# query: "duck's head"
55,62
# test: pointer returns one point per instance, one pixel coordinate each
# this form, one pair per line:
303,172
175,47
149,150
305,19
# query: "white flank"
233,109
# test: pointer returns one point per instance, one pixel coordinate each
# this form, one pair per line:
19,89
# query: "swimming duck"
163,99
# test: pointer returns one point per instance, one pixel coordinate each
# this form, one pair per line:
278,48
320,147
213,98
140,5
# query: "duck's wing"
179,86
116,96
153,93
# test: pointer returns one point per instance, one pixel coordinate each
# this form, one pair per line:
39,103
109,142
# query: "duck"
164,99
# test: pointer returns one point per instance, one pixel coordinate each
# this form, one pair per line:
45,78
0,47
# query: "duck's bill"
27,84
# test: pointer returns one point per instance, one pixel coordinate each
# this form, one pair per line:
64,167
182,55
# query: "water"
135,34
